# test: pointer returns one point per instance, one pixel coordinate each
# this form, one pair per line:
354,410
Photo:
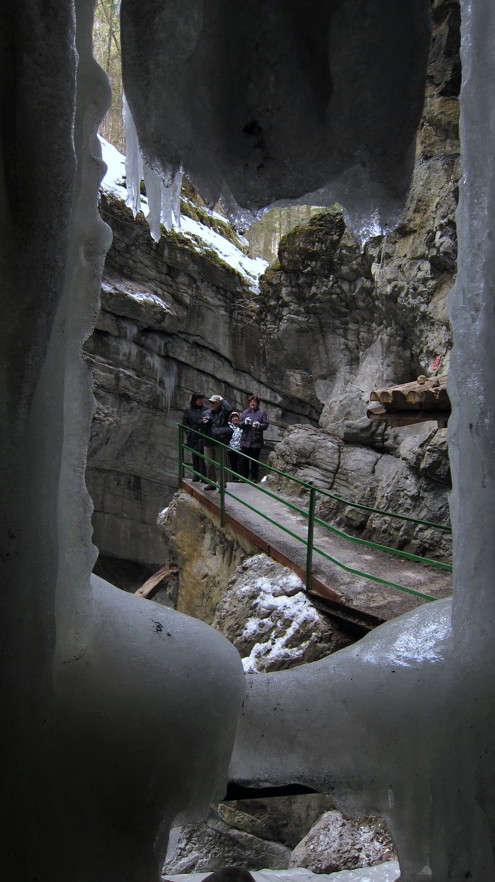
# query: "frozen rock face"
427,761
337,843
172,321
216,101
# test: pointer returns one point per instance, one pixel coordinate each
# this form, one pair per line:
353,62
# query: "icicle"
171,201
153,185
163,195
133,162
163,200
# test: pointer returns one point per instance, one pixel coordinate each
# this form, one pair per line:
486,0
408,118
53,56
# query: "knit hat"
234,413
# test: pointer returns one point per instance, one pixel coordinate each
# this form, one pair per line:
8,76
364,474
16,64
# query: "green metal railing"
308,514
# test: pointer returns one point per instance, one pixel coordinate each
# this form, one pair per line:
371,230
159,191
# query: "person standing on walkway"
216,423
193,419
254,422
235,443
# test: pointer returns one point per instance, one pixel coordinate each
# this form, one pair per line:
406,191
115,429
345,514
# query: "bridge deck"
354,597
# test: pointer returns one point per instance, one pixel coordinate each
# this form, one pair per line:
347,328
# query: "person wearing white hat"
216,423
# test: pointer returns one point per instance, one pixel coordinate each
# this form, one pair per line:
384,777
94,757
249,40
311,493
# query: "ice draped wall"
118,715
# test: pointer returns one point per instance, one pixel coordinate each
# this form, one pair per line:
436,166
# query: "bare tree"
106,47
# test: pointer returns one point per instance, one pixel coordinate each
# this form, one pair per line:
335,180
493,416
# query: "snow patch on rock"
271,621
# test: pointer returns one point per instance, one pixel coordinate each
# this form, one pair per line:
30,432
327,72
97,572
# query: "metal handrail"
309,514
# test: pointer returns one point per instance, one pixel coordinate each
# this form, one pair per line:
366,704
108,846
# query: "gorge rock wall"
332,320
377,315
172,321
356,318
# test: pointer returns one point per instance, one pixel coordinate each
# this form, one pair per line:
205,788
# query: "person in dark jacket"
216,423
253,421
193,419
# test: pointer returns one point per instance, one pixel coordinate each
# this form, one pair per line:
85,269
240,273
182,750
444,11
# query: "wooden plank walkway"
359,600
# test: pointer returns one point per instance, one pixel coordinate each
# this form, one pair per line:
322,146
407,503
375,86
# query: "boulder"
340,843
266,614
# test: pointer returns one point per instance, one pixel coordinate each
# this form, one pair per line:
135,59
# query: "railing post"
311,529
222,486
181,452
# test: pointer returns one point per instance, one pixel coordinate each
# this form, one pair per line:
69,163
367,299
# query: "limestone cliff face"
355,318
172,321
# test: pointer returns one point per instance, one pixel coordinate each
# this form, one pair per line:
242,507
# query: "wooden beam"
151,586
429,393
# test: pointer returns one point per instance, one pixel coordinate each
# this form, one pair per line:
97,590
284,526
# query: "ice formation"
250,267
118,714
314,102
162,190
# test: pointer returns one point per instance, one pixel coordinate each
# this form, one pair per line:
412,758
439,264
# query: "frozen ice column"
117,715
402,724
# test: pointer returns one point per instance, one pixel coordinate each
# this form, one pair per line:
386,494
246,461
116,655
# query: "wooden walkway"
364,602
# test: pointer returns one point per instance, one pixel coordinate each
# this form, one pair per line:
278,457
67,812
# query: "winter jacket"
235,441
217,426
193,418
252,436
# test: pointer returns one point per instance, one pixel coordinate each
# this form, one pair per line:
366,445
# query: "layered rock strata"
172,321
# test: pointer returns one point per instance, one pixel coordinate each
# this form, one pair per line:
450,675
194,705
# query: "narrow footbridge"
352,578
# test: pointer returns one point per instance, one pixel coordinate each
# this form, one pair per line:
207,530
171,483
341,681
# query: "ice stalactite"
133,162
162,191
281,103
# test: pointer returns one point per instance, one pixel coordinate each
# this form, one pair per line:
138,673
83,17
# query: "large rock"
196,848
284,819
338,843
268,617
413,480
205,555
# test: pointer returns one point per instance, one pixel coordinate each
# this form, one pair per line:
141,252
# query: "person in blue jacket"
254,422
